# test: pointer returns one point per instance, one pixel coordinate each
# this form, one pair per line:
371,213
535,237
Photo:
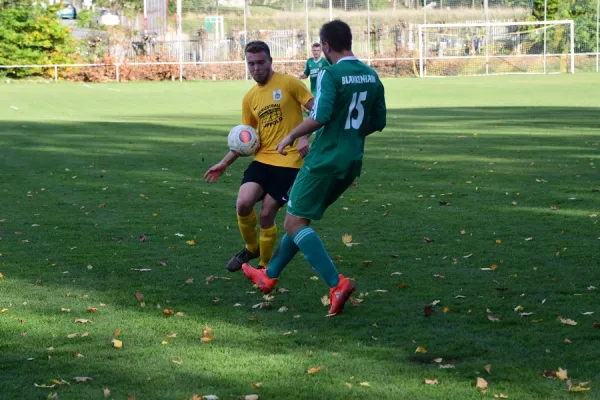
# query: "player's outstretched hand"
214,173
287,141
303,146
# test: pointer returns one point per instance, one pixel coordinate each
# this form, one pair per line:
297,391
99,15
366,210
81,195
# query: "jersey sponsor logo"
277,95
314,72
270,115
355,79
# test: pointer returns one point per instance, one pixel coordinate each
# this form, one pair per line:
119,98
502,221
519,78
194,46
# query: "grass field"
88,172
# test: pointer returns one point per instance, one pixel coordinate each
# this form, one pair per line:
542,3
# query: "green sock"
283,255
311,245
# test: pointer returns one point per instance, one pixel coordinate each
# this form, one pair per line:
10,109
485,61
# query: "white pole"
117,71
369,32
245,35
597,32
179,24
421,59
145,15
572,47
330,10
307,44
487,37
424,11
545,28
55,73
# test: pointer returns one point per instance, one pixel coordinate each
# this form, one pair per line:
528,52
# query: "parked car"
67,12
107,17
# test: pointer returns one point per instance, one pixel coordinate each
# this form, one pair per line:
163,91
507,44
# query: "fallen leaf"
402,286
498,241
143,238
281,290
72,335
525,314
189,280
488,368
172,335
210,397
79,355
207,335
313,370
518,308
446,310
438,360
587,313
431,381
468,255
167,312
179,314
81,321
314,278
282,309
481,383
178,362
367,262
164,342
92,310
79,379
84,334
117,344
250,397
117,332
349,385
427,240
191,242
447,366
381,291
492,318
567,341
428,310
460,297
364,384
578,389
139,296
106,392
209,279
257,385
561,374
554,208
67,310
529,239
420,349
500,396
567,321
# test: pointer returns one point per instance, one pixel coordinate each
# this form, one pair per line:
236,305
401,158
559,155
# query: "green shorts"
311,195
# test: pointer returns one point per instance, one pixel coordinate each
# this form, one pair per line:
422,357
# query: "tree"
551,13
33,35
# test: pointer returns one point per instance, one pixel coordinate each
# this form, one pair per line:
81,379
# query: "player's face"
259,67
316,52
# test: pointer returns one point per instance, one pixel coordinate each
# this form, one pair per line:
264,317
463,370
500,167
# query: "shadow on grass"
96,187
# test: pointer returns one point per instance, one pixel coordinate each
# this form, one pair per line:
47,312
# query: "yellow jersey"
274,110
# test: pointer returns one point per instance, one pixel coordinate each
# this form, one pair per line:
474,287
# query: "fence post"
545,29
245,36
597,32
487,37
117,71
368,32
330,10
307,44
55,73
572,47
421,60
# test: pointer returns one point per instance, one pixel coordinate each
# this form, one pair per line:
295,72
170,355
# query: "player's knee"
267,217
243,207
292,224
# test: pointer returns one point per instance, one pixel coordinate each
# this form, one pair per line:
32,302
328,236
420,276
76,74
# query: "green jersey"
350,102
312,69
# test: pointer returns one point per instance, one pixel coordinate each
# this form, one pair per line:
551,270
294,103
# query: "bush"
33,35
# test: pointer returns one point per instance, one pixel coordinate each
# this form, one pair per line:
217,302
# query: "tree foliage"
33,35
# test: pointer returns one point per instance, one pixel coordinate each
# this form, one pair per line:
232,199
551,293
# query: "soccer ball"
243,139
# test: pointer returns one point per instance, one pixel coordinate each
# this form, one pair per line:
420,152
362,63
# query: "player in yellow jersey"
273,107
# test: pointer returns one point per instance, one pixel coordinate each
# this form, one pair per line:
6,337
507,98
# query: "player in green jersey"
350,105
313,66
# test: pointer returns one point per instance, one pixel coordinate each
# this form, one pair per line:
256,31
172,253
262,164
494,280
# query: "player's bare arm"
214,173
307,127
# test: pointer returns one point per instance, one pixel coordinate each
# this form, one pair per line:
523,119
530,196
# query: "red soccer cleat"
260,278
339,294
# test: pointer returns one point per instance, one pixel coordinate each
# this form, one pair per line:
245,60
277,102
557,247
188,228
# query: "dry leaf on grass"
80,379
313,370
420,349
431,381
81,321
481,383
488,368
117,344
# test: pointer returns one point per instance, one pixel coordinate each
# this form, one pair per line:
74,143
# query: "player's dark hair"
338,34
258,46
316,45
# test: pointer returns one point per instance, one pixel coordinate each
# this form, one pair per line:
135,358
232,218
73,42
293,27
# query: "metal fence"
200,33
